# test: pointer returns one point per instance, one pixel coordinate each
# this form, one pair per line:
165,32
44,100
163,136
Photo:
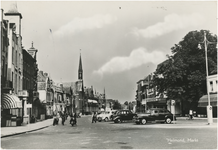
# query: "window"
3,66
13,55
19,61
211,86
161,111
15,85
12,79
18,83
16,59
215,89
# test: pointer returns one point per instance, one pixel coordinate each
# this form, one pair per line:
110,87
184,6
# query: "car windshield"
118,113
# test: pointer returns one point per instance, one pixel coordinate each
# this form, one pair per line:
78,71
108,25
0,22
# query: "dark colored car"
155,114
123,115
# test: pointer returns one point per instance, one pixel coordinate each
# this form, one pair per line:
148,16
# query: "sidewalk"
9,131
183,122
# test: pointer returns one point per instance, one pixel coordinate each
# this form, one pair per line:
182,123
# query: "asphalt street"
107,135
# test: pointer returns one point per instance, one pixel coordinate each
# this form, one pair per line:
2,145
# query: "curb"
175,126
3,136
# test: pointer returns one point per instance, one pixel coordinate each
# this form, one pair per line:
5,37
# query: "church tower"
80,70
80,89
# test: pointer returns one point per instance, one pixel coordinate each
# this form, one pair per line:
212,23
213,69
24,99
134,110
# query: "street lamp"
209,107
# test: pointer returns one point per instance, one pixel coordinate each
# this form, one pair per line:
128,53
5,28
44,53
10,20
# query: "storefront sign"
23,93
151,99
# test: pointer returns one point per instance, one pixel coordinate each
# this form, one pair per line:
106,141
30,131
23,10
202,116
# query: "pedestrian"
94,117
63,118
66,115
75,118
190,114
56,119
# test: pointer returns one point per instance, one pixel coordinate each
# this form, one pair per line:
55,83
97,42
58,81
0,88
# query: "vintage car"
123,115
104,115
154,114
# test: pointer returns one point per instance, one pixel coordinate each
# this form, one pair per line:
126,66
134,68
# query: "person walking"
56,119
94,117
75,118
63,118
190,114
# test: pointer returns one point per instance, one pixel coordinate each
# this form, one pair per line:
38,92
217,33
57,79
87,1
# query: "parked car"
104,116
123,115
154,114
113,114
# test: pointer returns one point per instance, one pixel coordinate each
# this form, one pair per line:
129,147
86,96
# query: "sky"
120,42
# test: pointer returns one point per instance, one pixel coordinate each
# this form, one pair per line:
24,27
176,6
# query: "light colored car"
104,115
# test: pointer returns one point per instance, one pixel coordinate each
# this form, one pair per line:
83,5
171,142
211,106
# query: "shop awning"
10,101
203,102
92,101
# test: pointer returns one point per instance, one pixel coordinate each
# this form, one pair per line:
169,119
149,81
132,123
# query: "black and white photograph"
108,74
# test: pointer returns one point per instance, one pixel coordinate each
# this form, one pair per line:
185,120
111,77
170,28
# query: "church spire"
80,71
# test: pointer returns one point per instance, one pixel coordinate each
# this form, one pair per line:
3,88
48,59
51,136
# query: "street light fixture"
209,107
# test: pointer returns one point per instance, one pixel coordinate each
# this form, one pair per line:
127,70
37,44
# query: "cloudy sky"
121,42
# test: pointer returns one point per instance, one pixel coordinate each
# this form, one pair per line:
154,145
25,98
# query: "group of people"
64,117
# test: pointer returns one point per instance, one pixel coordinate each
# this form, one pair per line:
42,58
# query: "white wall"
42,95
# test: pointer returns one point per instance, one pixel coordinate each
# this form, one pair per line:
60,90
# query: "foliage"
117,105
184,73
126,103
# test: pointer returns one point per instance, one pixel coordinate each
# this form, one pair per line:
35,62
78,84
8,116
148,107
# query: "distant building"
203,102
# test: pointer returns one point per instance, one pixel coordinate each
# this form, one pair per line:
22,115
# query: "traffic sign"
173,102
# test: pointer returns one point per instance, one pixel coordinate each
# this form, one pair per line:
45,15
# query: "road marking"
85,143
106,141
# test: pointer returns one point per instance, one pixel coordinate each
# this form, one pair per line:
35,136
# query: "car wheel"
143,121
99,119
106,119
119,120
168,120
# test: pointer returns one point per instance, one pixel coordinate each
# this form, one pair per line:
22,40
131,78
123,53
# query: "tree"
126,103
117,105
184,73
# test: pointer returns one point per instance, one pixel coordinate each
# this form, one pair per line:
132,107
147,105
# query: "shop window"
211,86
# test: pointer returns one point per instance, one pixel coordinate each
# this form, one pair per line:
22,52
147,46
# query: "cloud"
171,23
81,24
136,58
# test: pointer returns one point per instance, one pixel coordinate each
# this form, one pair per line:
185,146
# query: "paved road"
107,135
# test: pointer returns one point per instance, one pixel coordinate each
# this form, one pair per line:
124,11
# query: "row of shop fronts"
147,98
27,94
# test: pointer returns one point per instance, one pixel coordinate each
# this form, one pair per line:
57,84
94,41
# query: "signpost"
173,103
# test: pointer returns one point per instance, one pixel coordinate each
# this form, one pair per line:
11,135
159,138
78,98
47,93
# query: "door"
162,114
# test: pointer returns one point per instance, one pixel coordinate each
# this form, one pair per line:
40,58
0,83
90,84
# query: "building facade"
12,108
30,72
203,101
5,85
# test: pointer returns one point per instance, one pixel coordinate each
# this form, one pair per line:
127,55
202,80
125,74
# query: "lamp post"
209,107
